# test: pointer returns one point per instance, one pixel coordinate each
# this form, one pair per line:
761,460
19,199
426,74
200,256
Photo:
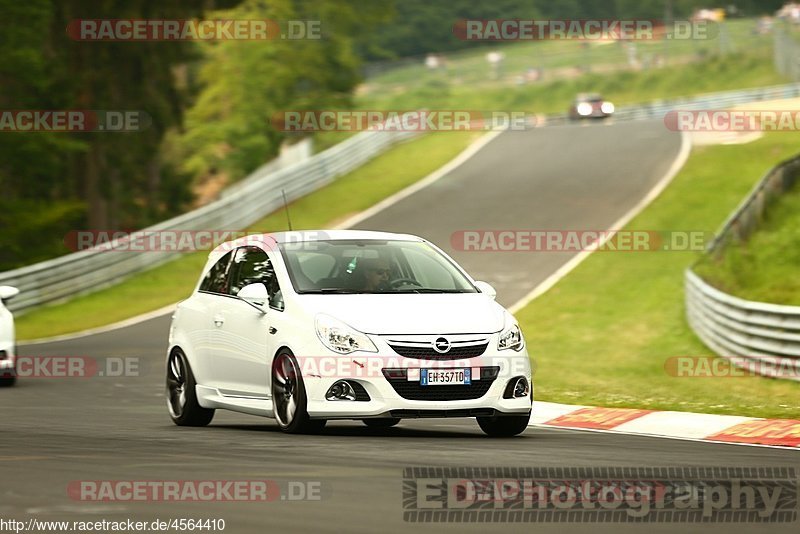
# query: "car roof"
588,96
310,236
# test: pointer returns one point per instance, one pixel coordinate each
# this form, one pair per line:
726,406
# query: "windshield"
371,266
589,97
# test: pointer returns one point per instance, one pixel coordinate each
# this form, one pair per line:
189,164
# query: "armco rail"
86,271
762,337
720,100
89,270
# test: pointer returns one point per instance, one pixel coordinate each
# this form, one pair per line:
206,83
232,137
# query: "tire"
289,399
504,426
381,423
9,378
184,410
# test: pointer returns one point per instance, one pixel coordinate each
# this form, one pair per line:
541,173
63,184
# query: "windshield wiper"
333,290
432,290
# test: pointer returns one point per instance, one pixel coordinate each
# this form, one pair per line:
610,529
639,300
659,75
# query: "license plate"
445,377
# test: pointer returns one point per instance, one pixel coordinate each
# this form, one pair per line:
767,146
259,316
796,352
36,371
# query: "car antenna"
286,209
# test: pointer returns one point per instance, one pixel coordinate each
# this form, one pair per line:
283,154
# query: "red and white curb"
783,433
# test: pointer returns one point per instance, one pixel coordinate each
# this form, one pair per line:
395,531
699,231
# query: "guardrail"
764,338
260,193
86,271
719,100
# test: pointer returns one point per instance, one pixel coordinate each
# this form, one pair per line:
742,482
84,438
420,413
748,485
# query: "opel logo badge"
441,345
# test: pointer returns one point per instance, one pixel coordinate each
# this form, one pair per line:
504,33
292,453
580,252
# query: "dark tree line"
421,26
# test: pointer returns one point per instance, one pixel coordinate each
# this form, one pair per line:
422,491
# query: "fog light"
521,388
516,388
341,390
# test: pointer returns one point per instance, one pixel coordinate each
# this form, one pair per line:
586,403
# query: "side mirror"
8,292
487,289
256,295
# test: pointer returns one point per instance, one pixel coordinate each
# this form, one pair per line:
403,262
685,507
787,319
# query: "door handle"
219,320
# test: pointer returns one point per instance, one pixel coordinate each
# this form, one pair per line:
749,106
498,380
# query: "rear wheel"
504,426
181,395
289,399
381,423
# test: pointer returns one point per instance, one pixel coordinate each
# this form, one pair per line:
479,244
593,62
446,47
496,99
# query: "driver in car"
375,272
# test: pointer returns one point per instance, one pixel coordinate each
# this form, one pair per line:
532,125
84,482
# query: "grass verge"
718,73
564,58
764,268
603,334
171,282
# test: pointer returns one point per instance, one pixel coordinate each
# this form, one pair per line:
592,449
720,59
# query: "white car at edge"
311,326
8,346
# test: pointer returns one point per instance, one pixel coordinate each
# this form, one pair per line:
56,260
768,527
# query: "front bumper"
405,397
7,360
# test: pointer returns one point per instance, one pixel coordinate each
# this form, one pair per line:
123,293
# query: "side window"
216,279
251,265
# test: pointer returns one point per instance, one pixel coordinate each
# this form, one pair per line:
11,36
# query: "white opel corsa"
311,326
8,347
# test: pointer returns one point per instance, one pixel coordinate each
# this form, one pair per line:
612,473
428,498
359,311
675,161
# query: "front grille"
358,389
427,352
412,390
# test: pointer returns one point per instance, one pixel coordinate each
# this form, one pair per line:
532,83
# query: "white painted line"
681,424
102,329
561,272
684,426
449,167
696,440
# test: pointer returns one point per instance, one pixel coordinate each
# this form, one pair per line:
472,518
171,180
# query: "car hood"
462,313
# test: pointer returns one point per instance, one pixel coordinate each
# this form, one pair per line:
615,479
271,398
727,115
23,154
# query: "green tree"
245,83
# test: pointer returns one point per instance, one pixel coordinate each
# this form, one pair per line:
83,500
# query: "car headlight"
511,338
341,338
607,107
584,108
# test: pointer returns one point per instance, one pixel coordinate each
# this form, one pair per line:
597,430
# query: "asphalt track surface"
575,177
55,431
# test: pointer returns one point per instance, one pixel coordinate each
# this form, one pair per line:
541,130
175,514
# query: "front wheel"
181,395
9,377
504,426
8,380
289,399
